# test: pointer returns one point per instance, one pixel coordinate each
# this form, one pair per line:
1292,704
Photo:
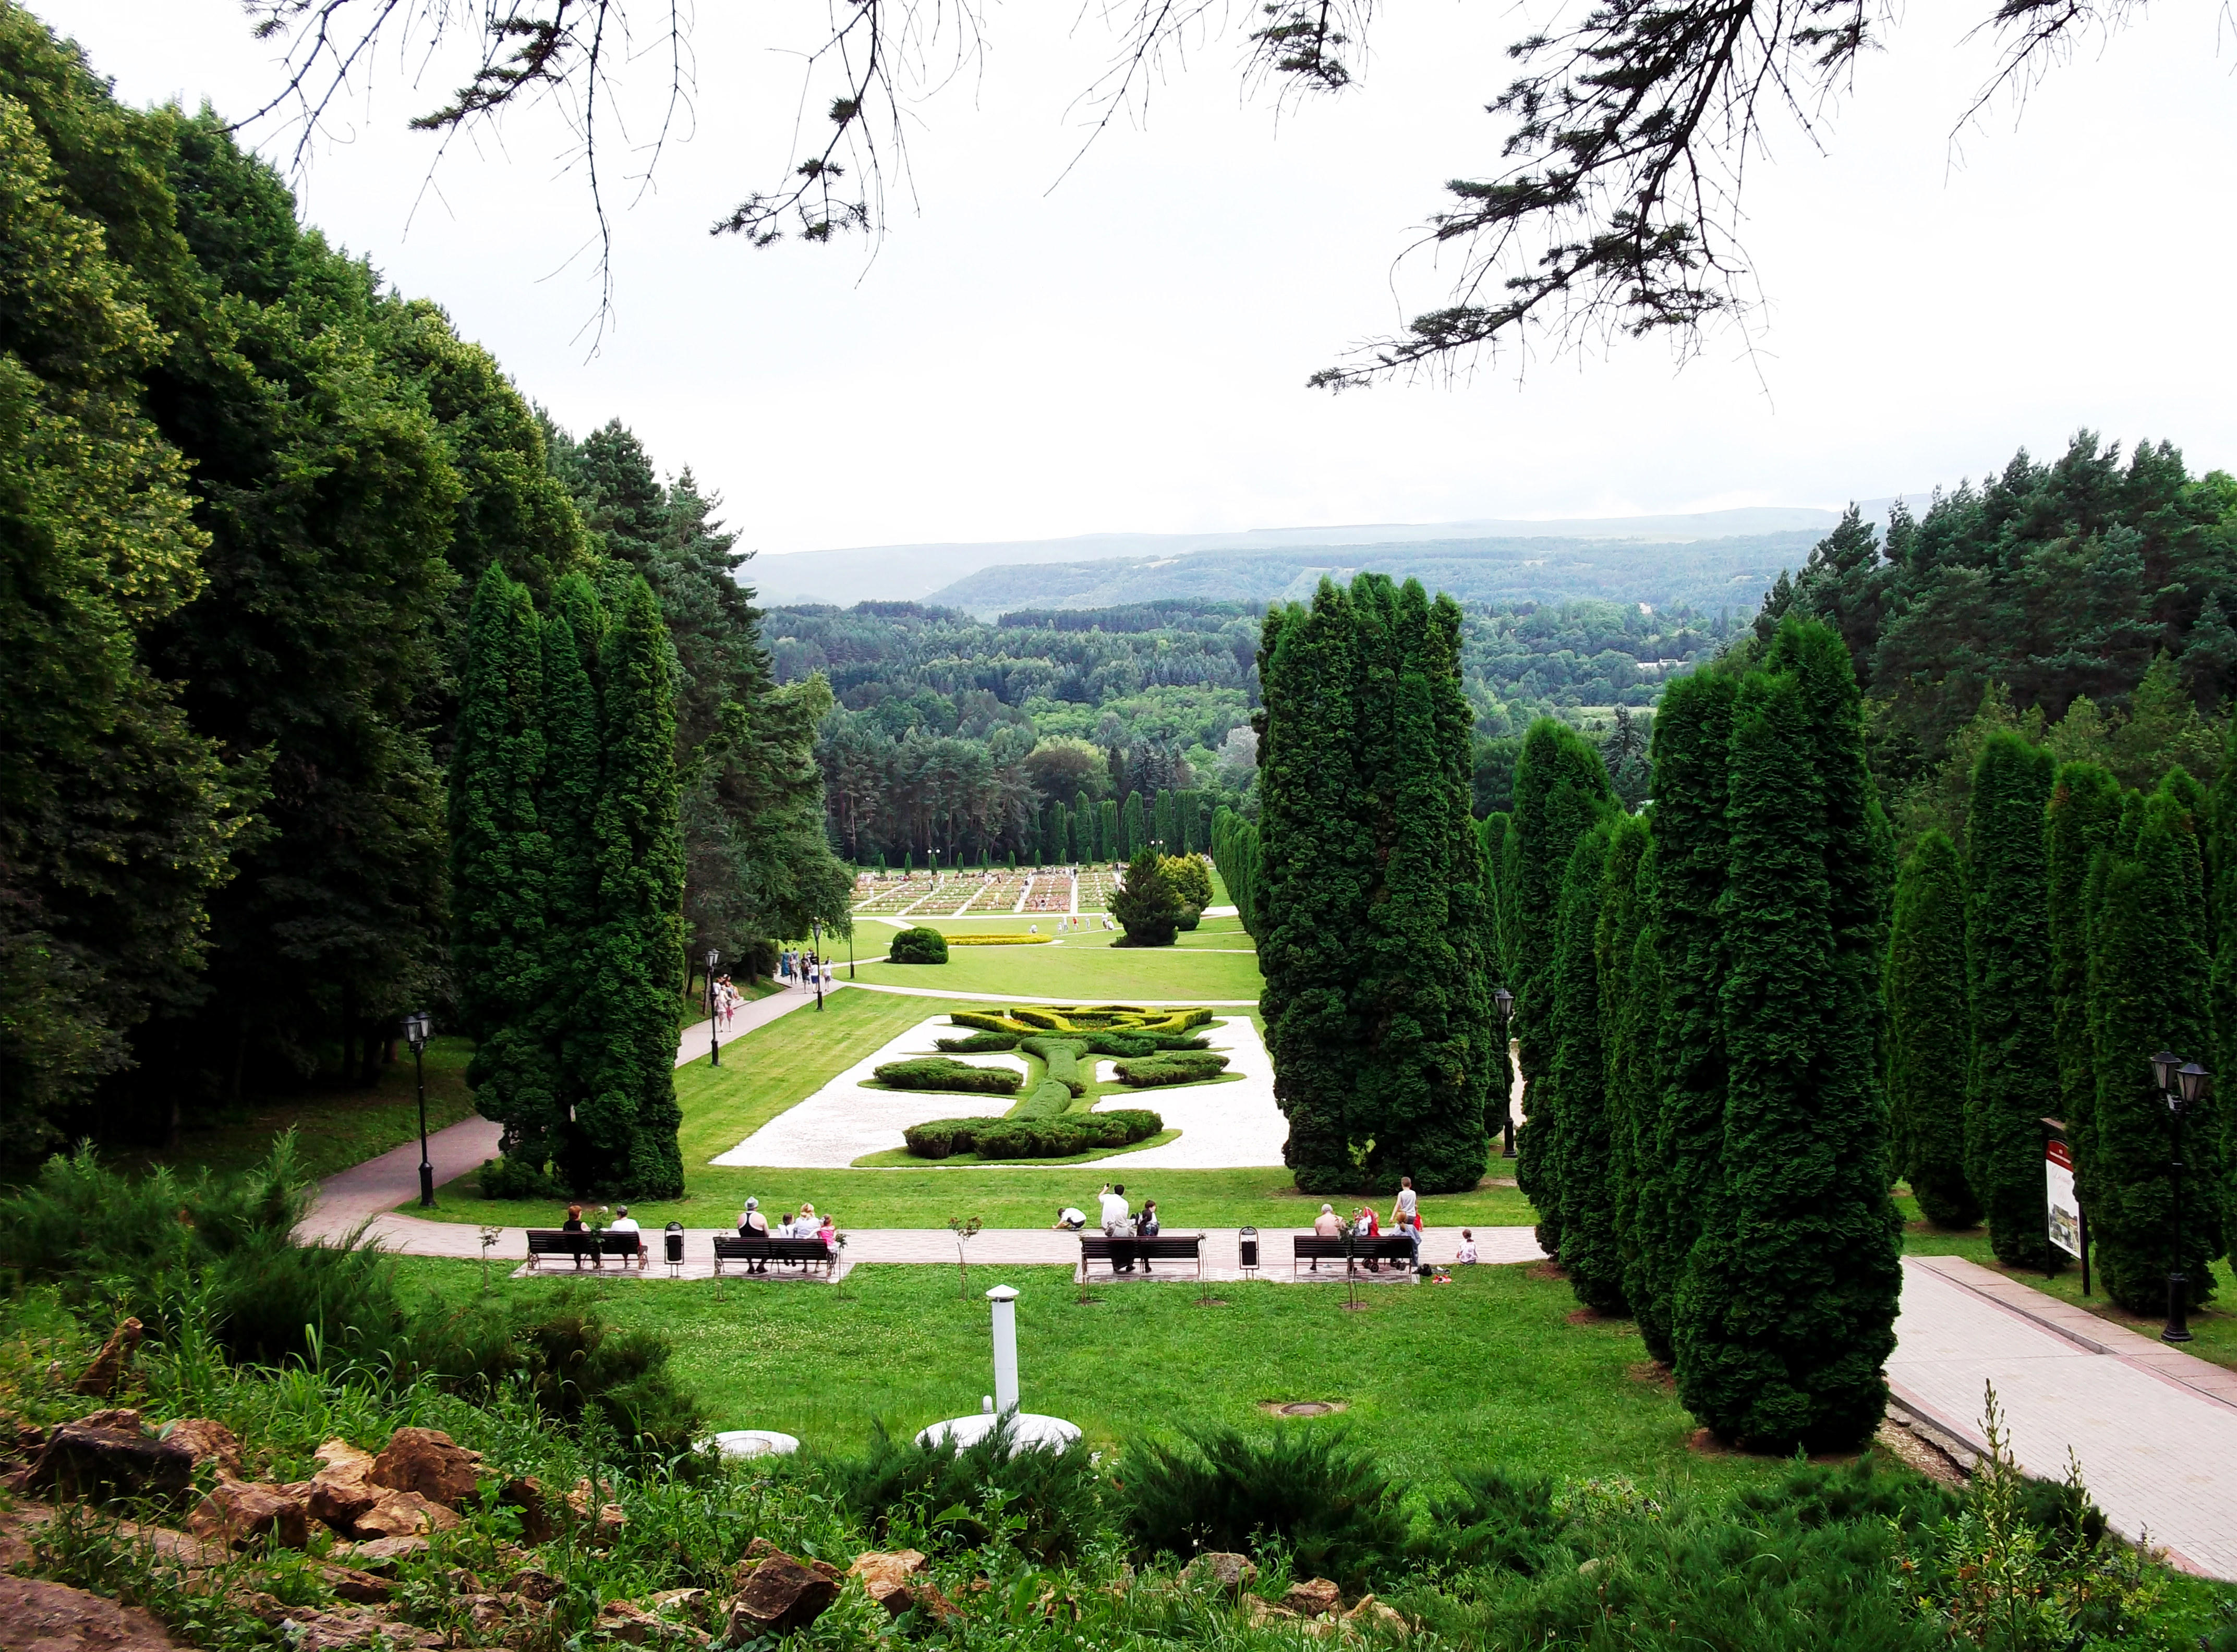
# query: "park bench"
553,1241
1315,1248
1162,1248
803,1254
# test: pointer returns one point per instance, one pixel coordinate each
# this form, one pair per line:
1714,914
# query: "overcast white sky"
1129,352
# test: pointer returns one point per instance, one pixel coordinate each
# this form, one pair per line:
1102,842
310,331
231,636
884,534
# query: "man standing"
1408,1215
1117,1224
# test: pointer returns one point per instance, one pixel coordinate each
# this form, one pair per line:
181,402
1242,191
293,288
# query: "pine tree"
2149,980
1630,1006
1561,793
1930,1043
1681,1176
1574,1100
2081,820
626,1126
1786,1313
2015,1065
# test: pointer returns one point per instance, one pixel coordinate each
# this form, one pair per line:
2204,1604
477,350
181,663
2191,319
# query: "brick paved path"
2156,1430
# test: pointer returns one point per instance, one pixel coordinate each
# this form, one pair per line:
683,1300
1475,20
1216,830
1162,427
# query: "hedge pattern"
938,1072
1179,1067
1082,1018
1056,1137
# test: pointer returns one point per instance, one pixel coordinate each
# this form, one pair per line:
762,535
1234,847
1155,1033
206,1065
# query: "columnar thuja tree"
1132,834
1575,1169
2015,1069
1370,892
1929,1045
1786,1311
1677,1179
1561,793
2080,822
568,866
1491,833
2149,981
1631,1004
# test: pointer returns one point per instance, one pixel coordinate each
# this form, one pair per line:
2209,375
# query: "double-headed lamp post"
2184,1084
714,1022
1505,1000
416,1029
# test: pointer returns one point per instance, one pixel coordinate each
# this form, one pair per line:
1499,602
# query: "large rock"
429,1463
86,1459
626,1621
340,1629
402,1514
889,1578
610,1519
339,1491
208,1440
381,1554
1217,1568
113,1364
779,1596
37,1617
1313,1597
1372,1614
237,1511
524,1495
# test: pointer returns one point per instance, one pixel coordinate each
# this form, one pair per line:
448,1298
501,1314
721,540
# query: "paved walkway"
2155,1430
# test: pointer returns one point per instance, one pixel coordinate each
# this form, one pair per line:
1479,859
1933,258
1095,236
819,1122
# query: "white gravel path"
1223,1127
846,1118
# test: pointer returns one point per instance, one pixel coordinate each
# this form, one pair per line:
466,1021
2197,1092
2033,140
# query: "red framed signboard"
2058,1187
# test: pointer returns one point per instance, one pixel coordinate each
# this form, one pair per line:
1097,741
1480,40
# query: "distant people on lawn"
1327,1225
1467,1252
1146,1227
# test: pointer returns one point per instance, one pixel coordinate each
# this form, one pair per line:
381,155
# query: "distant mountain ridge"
952,573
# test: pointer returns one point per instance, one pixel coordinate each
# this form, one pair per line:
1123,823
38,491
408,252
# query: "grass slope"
1087,968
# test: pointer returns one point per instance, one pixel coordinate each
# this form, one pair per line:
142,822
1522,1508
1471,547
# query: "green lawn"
1488,1369
774,1066
1087,968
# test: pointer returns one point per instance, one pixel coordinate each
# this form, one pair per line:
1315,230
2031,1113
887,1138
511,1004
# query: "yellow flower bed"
999,940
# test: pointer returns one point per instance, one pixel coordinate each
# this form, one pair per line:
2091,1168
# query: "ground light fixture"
2184,1083
416,1029
714,1022
1027,1432
1505,1000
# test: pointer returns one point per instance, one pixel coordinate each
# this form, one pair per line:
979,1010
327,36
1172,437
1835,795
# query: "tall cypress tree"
626,1125
2081,820
1677,1178
1561,793
1630,994
1930,1043
1162,818
500,866
1493,832
2015,1066
1786,1313
1574,1171
1131,833
2221,894
2148,981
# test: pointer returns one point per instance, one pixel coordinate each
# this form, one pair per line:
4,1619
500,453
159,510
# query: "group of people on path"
803,969
726,1002
1119,1220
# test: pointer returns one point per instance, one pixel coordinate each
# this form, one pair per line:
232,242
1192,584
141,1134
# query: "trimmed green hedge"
1056,1137
918,946
938,1072
979,1042
1062,1056
1176,1067
1047,1099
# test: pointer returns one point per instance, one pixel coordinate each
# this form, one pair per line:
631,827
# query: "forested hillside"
939,717
245,492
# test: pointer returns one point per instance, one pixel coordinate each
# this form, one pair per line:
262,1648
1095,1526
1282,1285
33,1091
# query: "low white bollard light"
1028,1431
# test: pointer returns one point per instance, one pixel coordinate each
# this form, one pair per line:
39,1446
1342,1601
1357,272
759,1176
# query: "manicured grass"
1087,968
336,1125
903,1159
1488,1369
2214,1328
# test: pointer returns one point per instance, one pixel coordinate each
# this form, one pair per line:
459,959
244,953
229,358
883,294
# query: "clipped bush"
1048,1098
938,1072
1174,1067
1054,1499
516,1179
1141,1044
1191,879
1134,1019
918,946
979,1043
1190,917
1329,1504
1049,1136
1062,1056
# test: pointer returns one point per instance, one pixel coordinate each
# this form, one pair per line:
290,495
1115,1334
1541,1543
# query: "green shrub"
1141,1044
1046,1100
1147,906
1062,1056
1175,1067
979,1042
944,1499
918,946
1191,879
1493,1518
938,1072
936,1138
573,1364
1190,917
1049,1136
1328,1505
516,1179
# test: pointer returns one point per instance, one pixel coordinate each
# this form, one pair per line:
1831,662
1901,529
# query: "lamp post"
816,930
1505,1000
2184,1084
850,951
416,1028
714,1025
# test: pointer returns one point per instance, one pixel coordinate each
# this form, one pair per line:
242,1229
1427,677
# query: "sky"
1033,353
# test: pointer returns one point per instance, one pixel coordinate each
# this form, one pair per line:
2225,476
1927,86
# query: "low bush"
1048,1137
1045,1099
1174,1067
573,1364
979,1043
1190,917
1062,1056
944,1499
1328,1505
938,1072
1132,1019
1497,1519
516,1179
1141,1044
918,946
1190,876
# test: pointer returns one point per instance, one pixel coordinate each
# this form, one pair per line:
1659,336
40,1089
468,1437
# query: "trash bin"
674,1239
1247,1242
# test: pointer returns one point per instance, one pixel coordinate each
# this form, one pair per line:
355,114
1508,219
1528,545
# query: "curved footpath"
2155,1429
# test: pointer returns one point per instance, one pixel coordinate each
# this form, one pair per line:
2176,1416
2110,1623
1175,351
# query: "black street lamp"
816,930
714,1022
1505,1000
416,1028
2184,1083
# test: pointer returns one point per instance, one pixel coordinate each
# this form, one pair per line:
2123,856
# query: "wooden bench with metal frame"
1319,1247
750,1248
1160,1248
557,1241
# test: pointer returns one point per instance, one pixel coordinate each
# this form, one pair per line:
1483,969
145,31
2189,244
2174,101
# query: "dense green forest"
938,717
246,491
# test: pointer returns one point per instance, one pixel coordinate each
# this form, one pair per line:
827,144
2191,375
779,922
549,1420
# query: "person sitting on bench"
574,1222
1327,1225
625,1223
753,1224
1146,1227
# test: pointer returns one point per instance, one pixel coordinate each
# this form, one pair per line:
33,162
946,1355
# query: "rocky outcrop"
209,1442
1313,1597
778,1595
37,1617
1216,1568
892,1579
108,1454
428,1463
237,1511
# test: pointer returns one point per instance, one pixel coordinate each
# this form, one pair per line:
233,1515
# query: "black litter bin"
1247,1242
674,1239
